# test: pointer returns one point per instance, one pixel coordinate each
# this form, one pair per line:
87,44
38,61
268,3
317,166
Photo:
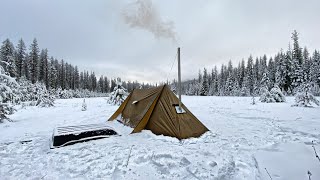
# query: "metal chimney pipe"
179,78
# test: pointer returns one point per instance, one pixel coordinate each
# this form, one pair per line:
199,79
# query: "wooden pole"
179,78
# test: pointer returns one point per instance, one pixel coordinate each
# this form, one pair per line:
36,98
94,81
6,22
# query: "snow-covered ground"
245,142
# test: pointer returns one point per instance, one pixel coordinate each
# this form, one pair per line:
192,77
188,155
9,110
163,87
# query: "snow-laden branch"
10,79
4,62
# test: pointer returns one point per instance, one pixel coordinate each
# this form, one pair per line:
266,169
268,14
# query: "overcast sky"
93,34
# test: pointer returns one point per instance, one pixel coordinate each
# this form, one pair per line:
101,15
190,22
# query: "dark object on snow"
68,135
2,116
25,141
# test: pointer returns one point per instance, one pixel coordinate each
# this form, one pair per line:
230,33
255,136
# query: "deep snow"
243,141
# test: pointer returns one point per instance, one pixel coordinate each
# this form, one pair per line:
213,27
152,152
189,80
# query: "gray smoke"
142,14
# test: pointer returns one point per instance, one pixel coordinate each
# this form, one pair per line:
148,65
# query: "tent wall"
165,120
133,113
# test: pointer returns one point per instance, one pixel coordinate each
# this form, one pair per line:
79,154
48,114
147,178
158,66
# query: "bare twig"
129,156
315,152
43,176
268,173
309,174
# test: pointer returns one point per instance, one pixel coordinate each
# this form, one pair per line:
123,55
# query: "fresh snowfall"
262,112
245,141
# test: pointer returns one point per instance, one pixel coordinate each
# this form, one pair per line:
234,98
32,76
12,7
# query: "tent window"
179,110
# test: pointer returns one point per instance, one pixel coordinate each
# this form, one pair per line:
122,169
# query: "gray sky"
93,34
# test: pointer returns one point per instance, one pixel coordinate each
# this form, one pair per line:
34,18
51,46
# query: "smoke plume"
142,14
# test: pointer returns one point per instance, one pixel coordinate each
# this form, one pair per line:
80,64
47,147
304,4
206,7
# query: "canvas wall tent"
155,109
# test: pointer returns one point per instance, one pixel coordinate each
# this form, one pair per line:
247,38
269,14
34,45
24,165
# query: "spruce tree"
107,85
43,66
76,78
53,75
315,66
205,84
7,56
297,61
33,61
306,66
20,57
249,75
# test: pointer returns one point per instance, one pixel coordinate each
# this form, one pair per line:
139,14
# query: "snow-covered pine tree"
7,55
113,84
43,66
279,74
107,85
53,75
262,67
244,89
314,72
287,70
304,97
297,60
229,85
44,99
20,57
34,61
213,89
249,75
257,74
76,78
63,75
306,66
236,91
7,94
94,82
81,80
204,84
119,94
271,71
101,84
266,95
277,94
264,81
242,73
25,68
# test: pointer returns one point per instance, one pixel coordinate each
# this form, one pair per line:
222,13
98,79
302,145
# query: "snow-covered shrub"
84,105
244,91
266,96
253,100
275,95
304,97
64,94
45,100
2,113
315,89
5,109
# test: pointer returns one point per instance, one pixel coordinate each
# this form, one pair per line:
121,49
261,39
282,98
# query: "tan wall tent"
155,109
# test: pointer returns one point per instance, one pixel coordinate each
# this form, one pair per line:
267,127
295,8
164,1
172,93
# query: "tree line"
289,70
35,66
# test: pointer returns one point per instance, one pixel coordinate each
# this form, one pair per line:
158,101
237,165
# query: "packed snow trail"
242,137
